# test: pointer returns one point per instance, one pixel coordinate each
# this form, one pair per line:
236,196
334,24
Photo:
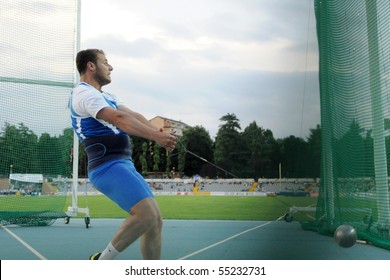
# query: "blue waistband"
105,148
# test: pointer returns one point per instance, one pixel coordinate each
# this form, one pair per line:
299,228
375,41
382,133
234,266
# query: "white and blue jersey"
85,102
108,148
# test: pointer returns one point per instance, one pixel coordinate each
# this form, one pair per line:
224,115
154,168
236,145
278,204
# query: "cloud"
193,61
196,61
276,101
37,40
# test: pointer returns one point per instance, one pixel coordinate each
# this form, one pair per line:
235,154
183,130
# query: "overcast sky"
189,60
197,60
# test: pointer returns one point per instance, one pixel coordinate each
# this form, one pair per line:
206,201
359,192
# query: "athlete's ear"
91,66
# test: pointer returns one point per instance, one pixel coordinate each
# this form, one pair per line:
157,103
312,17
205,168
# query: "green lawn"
204,207
172,207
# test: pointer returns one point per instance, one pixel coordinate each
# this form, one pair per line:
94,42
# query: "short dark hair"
85,56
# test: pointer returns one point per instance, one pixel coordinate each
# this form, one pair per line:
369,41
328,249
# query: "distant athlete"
103,124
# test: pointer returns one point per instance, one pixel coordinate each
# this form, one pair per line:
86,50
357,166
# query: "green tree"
293,157
198,141
137,144
18,148
66,153
49,155
142,159
156,157
181,155
313,165
260,145
350,153
230,150
168,163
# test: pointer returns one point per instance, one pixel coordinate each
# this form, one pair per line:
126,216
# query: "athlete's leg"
151,239
144,220
123,184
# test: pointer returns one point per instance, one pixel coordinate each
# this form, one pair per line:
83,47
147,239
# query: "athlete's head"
95,62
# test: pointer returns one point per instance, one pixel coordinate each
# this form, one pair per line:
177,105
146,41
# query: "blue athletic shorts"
121,182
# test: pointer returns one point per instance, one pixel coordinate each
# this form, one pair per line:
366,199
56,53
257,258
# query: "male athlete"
103,125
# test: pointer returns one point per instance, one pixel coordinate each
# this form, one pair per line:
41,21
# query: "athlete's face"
103,70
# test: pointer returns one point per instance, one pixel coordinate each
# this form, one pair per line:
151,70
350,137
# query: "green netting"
37,43
354,47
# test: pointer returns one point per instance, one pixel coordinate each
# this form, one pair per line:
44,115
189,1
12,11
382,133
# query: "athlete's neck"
91,82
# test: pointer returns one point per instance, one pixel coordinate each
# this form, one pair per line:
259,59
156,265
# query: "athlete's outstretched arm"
129,123
137,115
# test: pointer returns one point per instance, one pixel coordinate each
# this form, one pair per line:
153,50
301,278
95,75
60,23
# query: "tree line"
252,152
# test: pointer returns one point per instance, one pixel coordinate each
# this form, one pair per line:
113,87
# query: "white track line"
25,244
222,241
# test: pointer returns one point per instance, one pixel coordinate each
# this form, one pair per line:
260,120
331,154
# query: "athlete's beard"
100,78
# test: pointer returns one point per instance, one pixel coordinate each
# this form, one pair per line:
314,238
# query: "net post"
380,159
75,172
74,209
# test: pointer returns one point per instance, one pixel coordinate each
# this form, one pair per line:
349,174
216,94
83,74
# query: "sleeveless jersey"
84,104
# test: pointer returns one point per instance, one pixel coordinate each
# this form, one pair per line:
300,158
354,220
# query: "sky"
197,60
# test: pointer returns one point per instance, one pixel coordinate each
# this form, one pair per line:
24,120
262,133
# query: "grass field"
172,207
205,207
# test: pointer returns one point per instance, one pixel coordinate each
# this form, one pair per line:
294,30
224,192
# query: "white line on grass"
223,241
25,244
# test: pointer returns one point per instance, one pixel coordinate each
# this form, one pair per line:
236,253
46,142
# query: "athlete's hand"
166,140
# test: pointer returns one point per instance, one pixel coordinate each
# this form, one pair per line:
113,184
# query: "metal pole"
380,158
75,171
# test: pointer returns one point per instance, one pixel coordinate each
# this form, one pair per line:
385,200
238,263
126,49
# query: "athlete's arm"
130,124
138,116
